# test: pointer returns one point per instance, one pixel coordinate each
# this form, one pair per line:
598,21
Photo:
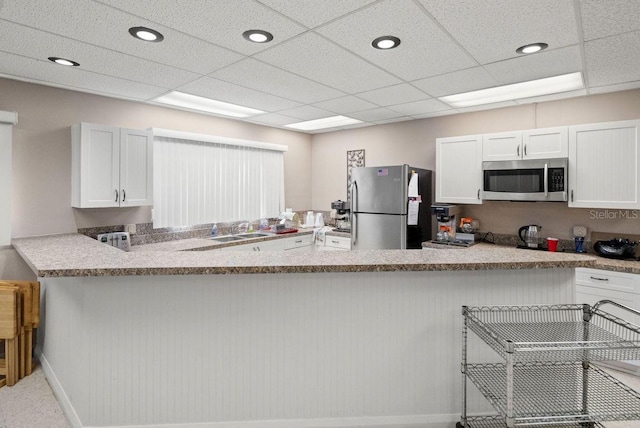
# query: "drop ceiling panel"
40,45
267,78
491,30
274,119
544,64
306,113
607,18
47,73
425,50
376,114
613,59
457,82
218,22
614,88
230,93
318,59
420,107
312,13
99,25
345,105
395,94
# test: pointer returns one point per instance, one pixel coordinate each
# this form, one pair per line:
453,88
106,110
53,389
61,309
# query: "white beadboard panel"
279,350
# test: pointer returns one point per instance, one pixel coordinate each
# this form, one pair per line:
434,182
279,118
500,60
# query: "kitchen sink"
254,235
227,238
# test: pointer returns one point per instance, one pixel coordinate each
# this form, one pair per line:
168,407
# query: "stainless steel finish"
381,189
544,164
253,235
354,205
384,231
227,238
547,378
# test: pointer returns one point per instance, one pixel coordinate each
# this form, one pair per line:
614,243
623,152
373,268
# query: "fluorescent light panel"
532,88
194,102
326,122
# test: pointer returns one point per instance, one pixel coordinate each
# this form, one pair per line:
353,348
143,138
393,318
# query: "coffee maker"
342,215
446,216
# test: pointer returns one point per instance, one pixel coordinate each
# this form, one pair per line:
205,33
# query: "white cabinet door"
593,285
459,169
136,168
95,166
502,146
110,166
604,162
545,143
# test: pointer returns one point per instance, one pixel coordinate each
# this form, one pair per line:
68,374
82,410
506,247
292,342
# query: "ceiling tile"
306,113
345,105
40,45
230,93
312,13
487,107
457,82
614,88
395,120
552,97
316,58
537,66
435,114
275,119
107,27
219,22
272,80
492,30
420,107
425,50
614,59
375,115
395,94
47,73
607,18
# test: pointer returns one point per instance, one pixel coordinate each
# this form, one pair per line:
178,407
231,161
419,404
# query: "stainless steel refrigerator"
380,207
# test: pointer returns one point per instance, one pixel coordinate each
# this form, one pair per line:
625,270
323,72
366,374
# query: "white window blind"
199,179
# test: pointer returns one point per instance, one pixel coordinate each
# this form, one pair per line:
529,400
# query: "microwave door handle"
546,180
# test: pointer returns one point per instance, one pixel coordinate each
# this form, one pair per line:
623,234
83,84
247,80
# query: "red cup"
552,244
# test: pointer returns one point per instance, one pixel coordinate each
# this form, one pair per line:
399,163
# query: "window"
199,179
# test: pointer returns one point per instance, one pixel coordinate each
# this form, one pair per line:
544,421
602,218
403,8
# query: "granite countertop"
78,255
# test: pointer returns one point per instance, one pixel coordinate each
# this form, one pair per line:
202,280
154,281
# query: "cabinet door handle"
478,194
116,196
335,242
599,279
525,149
124,195
518,151
571,195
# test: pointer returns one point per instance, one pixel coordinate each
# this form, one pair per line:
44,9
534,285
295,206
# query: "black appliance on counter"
617,248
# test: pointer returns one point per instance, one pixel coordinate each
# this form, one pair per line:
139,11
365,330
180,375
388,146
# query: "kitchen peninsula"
247,339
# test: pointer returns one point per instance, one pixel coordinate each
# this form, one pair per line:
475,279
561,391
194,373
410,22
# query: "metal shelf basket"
555,332
498,422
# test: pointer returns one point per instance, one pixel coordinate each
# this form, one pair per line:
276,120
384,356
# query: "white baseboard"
58,391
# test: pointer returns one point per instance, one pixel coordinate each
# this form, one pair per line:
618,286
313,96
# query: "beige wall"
42,153
414,143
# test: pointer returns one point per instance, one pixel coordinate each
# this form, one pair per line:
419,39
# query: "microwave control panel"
556,180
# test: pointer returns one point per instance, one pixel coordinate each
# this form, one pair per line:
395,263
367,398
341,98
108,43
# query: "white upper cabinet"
459,169
110,166
546,143
604,160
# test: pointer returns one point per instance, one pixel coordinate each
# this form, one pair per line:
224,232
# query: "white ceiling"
320,62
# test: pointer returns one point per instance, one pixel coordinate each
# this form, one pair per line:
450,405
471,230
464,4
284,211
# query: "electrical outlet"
579,231
131,228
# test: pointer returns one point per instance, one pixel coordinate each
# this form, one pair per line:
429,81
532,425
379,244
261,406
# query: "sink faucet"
240,228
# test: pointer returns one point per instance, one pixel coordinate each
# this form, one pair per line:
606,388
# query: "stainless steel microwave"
525,180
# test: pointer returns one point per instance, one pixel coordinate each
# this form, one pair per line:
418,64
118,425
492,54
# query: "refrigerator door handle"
354,208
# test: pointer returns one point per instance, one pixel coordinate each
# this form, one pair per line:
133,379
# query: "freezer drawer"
378,231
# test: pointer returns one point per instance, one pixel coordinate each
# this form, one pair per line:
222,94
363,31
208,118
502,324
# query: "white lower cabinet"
299,243
336,243
270,245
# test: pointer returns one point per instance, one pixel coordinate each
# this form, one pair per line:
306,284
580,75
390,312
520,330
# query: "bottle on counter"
214,230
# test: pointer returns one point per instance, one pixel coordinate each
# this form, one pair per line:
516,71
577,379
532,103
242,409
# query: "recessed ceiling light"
532,48
532,88
194,102
146,34
63,61
257,36
385,42
326,122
